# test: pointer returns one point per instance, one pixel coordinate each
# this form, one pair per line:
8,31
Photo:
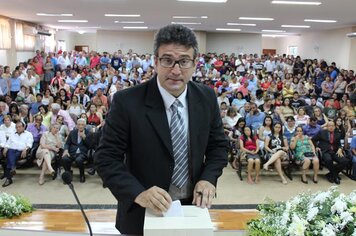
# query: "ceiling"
157,13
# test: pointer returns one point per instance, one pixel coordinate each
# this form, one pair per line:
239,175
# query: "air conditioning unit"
44,32
351,35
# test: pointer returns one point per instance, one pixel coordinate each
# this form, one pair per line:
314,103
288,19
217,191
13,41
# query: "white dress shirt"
168,100
20,142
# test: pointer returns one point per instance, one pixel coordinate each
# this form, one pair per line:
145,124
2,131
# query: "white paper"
175,210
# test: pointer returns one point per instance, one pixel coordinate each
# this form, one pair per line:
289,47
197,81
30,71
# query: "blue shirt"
255,121
353,146
3,85
15,84
94,87
54,61
34,107
104,61
311,131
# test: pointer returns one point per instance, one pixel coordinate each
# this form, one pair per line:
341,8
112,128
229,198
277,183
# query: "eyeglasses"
169,62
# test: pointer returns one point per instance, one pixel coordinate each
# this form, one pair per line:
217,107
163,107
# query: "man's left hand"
340,153
23,154
203,194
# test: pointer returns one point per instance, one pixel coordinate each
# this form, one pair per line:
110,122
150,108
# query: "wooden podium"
71,222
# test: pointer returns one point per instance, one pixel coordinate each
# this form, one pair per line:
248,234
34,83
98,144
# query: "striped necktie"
180,146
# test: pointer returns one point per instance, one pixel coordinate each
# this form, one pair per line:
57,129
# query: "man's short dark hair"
176,34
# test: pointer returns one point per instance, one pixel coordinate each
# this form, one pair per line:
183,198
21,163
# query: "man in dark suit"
163,140
328,141
76,148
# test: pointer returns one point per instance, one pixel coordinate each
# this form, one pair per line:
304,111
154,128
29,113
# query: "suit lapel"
156,114
195,111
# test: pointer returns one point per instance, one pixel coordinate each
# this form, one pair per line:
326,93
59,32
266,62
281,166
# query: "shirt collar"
168,99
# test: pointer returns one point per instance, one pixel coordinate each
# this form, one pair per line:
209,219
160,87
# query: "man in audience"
34,106
312,128
17,146
328,141
255,118
76,148
83,98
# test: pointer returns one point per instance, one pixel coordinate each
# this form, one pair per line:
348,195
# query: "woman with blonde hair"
50,145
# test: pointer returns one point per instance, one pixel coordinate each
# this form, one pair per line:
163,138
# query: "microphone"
67,179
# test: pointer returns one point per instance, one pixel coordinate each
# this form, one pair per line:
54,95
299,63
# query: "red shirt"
94,61
250,144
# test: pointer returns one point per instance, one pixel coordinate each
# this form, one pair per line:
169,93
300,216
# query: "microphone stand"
81,208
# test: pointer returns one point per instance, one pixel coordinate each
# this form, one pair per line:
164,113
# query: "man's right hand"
154,198
65,153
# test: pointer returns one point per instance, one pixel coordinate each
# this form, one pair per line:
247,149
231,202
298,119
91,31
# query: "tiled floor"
231,191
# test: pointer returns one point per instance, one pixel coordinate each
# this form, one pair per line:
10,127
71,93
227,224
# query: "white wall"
110,41
88,39
24,56
331,45
68,37
233,43
3,57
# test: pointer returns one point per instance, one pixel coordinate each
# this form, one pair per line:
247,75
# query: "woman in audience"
345,121
350,109
47,98
50,145
234,136
286,108
94,118
305,154
65,99
339,86
277,147
8,127
48,72
249,146
289,128
46,115
301,118
24,115
321,117
54,86
7,72
239,101
13,109
74,108
15,84
264,131
339,127
63,128
231,118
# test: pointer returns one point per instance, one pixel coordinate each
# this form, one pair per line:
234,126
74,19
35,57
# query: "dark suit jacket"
322,141
135,152
72,143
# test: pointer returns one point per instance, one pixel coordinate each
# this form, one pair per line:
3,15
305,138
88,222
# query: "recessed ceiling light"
135,27
130,22
297,3
189,17
51,14
72,21
81,31
256,18
186,23
274,35
214,1
274,31
295,26
241,24
122,15
227,29
320,21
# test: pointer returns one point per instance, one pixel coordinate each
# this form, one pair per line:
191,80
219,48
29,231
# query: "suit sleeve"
217,148
110,156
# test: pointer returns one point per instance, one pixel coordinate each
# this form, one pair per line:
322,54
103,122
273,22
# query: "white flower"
352,198
328,231
321,197
346,217
297,227
339,205
312,213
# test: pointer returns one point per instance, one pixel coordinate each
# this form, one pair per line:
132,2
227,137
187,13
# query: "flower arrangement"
11,206
329,213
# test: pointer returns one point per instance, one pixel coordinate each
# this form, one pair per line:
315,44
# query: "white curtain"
5,34
24,42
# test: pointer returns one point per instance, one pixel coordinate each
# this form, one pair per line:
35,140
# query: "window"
293,50
25,41
5,34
